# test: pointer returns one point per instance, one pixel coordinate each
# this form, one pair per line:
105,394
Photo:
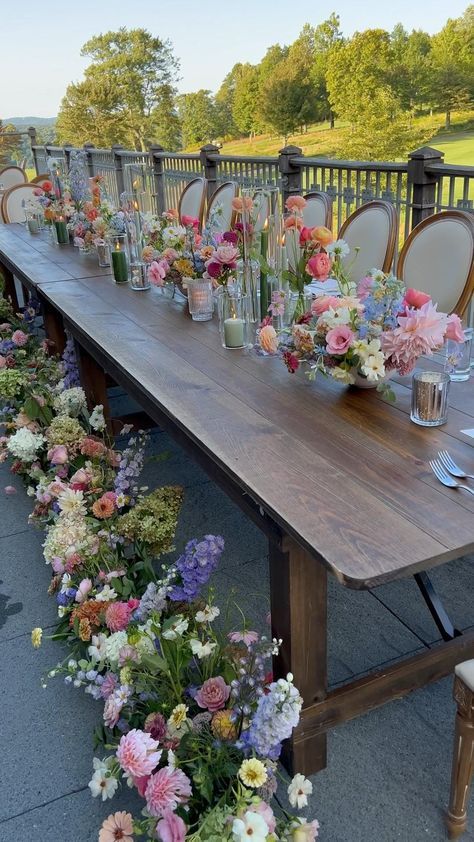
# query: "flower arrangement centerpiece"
58,208
364,332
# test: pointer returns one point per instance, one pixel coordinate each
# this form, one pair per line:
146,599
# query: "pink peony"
338,339
268,339
295,204
455,330
415,298
319,266
226,254
157,272
166,789
137,753
213,694
117,616
322,303
19,338
58,454
171,828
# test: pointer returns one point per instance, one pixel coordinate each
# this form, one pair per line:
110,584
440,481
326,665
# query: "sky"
40,46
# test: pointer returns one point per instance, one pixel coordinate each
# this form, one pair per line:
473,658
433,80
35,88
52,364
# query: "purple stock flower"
195,566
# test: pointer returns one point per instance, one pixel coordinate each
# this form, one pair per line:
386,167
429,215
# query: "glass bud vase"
103,253
248,278
233,310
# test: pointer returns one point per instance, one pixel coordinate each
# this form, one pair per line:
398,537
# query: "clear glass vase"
233,310
200,300
248,279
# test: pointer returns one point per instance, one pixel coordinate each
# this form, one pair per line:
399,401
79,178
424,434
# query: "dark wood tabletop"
339,469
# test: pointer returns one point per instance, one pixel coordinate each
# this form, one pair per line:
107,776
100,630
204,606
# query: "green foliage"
10,144
452,63
198,117
246,96
286,100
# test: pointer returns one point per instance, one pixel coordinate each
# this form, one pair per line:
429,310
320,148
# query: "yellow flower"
36,636
222,726
178,716
252,773
184,267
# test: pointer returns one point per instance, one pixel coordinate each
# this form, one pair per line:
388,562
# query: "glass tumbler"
429,398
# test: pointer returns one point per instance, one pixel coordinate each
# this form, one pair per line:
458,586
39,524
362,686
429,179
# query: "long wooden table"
335,477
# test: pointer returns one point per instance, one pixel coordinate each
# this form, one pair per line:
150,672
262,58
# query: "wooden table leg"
54,327
463,760
298,585
94,383
9,286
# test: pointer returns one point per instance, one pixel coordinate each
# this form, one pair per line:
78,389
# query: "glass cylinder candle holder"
32,222
40,219
139,276
62,233
429,398
233,309
103,253
120,257
200,299
458,357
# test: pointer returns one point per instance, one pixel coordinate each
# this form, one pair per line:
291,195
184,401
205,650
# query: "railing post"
291,182
68,148
209,166
32,135
156,157
423,197
90,163
118,167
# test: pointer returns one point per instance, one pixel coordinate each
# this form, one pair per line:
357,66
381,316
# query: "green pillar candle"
119,266
263,276
61,231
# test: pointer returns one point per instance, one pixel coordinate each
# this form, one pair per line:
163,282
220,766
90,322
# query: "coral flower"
242,203
104,507
322,235
166,789
293,222
213,694
415,298
117,826
190,222
319,266
268,339
295,203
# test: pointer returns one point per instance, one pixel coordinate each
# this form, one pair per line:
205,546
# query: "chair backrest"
222,199
192,199
14,199
10,176
40,179
438,258
372,229
318,210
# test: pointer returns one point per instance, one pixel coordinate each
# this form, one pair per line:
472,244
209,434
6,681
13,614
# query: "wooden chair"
13,202
39,180
12,175
372,229
438,257
318,210
192,199
223,197
463,752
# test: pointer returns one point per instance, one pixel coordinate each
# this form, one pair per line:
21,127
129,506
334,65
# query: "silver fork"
451,466
445,478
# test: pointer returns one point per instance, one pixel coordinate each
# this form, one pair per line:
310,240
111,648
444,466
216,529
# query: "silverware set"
448,472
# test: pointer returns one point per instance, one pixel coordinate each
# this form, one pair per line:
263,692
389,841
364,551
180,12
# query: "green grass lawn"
458,148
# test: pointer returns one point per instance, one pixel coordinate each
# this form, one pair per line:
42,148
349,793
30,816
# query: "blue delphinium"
277,714
78,177
195,566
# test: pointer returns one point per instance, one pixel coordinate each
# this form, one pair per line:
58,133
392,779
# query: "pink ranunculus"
58,454
322,303
295,203
364,286
319,266
138,753
213,694
305,235
415,298
166,789
455,329
157,273
226,254
171,828
20,338
268,339
190,221
339,339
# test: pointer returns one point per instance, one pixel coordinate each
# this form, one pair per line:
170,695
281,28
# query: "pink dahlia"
171,828
419,332
111,712
19,338
108,685
213,694
137,754
117,616
166,789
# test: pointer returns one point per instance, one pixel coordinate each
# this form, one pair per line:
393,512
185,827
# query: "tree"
326,36
198,118
410,77
286,100
246,97
452,62
125,91
10,143
224,105
357,72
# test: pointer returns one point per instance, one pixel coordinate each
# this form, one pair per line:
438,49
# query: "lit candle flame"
265,226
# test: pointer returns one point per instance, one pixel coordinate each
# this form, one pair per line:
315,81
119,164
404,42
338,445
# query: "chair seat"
465,672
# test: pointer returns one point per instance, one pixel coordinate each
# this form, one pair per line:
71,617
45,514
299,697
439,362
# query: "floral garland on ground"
191,716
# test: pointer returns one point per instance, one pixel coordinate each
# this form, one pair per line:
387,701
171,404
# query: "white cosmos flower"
102,784
374,366
298,790
252,826
338,248
208,614
176,629
202,650
96,650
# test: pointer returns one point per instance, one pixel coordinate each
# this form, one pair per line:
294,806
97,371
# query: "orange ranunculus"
49,214
322,235
293,222
295,203
242,203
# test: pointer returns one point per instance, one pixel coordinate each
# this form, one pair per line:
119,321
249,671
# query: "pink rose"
19,338
213,694
157,272
415,298
338,339
268,339
322,303
319,266
190,221
58,454
171,828
454,330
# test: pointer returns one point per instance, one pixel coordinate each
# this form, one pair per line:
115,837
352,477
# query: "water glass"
458,357
200,300
429,398
139,276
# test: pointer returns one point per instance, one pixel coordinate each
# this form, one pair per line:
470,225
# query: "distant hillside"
21,122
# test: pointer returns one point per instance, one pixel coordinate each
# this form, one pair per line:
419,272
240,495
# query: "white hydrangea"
70,402
67,536
97,420
114,644
24,444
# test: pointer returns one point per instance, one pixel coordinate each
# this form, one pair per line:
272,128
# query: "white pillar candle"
33,226
234,333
